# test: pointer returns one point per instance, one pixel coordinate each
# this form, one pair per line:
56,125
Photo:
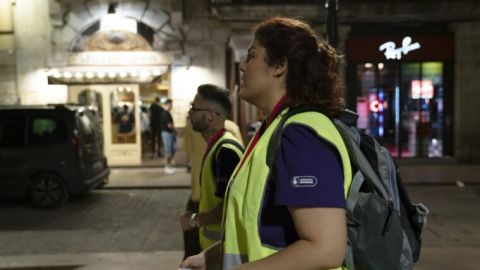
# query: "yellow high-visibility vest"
211,233
246,190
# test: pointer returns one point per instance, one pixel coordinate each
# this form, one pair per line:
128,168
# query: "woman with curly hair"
295,220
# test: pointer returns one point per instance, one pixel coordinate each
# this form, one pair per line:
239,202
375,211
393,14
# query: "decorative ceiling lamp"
114,21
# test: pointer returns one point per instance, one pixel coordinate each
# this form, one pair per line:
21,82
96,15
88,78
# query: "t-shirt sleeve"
226,163
309,172
166,119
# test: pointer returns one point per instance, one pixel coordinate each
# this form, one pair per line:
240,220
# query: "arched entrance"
119,67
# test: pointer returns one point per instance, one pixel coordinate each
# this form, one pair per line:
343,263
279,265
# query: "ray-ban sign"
396,53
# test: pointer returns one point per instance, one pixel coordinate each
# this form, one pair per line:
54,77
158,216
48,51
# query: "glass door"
377,103
422,114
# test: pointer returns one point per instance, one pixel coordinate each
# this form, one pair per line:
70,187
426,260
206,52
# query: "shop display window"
401,105
123,116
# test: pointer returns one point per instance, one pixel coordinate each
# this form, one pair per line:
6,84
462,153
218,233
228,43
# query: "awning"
105,74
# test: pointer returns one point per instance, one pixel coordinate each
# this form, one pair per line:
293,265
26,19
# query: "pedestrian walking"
168,136
145,129
295,220
195,146
156,112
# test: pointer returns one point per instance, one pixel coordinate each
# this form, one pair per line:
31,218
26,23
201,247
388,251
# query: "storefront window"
123,118
376,102
423,108
401,105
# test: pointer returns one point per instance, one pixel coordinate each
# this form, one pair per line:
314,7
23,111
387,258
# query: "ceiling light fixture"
115,21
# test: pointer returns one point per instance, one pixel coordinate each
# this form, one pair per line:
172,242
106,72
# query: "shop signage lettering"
396,53
118,58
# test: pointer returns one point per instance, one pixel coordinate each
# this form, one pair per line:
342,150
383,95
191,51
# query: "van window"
12,131
47,131
89,126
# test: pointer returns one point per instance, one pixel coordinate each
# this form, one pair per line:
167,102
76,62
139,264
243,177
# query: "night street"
138,229
113,115
107,221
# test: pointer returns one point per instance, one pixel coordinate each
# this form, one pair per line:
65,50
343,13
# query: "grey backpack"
384,227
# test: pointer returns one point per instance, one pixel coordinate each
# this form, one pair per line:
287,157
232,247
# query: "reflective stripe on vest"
246,192
209,234
230,260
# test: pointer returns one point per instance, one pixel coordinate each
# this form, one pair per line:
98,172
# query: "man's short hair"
168,101
218,95
157,99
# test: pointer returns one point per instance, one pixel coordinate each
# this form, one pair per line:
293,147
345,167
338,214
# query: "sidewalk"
450,240
155,177
163,260
147,177
440,174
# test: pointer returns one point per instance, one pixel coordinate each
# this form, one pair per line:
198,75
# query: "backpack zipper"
386,227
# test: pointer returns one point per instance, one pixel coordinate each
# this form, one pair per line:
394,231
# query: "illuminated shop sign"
396,53
118,58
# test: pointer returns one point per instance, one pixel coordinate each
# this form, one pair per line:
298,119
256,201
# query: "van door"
12,153
91,136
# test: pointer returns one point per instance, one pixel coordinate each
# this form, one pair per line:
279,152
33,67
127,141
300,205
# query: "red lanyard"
209,147
278,108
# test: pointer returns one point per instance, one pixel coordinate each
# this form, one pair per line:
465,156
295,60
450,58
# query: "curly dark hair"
311,77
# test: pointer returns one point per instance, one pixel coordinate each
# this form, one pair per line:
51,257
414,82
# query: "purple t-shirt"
309,174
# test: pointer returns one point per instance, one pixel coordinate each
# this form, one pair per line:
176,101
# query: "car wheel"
47,191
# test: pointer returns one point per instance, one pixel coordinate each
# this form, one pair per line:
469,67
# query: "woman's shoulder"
300,132
299,138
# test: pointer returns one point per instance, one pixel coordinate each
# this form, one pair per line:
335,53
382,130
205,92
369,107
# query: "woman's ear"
280,68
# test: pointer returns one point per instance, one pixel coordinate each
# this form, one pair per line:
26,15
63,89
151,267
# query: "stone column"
343,32
8,85
467,91
32,43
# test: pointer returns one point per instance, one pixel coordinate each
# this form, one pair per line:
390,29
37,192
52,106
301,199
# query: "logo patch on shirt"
304,181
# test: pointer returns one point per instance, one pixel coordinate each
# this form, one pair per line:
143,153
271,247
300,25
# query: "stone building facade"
207,39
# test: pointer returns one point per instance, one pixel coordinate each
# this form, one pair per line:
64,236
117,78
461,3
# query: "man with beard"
208,113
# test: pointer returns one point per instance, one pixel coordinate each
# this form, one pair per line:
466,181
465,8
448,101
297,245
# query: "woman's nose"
242,66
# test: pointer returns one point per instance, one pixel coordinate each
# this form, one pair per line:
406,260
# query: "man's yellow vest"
210,234
246,191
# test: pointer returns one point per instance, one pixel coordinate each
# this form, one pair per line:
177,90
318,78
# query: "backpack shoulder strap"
349,117
275,139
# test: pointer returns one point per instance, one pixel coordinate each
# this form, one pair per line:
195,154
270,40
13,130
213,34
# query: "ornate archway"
72,21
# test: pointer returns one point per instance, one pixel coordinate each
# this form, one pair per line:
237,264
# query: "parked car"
48,153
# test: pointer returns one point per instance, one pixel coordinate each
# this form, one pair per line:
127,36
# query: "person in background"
233,128
155,127
195,146
208,113
295,220
168,136
145,128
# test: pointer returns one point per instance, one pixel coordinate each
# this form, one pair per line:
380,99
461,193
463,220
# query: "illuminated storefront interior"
118,65
401,92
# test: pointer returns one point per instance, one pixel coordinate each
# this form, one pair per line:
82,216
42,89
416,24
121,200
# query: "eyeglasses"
193,110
